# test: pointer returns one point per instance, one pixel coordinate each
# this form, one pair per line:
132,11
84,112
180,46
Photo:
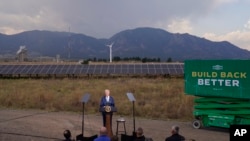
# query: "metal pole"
82,117
134,115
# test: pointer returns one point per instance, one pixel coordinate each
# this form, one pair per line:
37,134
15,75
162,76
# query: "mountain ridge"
138,42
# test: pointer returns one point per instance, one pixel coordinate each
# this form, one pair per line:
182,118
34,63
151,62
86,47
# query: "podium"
108,111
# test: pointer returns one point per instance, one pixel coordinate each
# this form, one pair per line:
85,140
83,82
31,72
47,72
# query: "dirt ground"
35,125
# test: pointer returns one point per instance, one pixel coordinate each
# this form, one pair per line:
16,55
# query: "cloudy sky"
216,20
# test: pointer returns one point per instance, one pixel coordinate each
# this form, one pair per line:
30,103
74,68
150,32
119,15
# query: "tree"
169,59
144,60
117,58
159,60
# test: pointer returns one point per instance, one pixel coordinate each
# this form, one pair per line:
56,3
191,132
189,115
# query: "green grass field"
158,98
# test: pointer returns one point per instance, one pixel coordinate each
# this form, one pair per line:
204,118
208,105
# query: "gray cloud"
104,18
94,17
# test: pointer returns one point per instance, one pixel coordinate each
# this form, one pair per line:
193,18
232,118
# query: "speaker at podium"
107,107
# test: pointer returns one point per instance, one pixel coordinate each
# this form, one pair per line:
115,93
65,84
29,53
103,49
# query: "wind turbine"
110,52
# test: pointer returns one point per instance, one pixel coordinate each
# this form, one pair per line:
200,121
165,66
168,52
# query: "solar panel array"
95,69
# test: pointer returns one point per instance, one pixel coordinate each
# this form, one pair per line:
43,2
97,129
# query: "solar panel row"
95,69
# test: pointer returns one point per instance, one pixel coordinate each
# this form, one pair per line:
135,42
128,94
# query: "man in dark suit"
139,135
107,100
175,135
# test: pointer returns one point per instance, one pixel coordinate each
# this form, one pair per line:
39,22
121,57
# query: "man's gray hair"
175,128
103,131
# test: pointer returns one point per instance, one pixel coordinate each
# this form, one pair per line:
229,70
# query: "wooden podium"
108,110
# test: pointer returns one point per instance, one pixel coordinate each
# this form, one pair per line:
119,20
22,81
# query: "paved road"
35,125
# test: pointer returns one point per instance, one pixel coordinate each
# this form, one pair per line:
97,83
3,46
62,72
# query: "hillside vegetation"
155,98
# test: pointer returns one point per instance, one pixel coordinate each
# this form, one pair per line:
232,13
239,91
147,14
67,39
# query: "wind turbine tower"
110,52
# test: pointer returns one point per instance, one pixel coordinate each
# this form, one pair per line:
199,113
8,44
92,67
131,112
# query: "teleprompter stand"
125,137
132,99
81,137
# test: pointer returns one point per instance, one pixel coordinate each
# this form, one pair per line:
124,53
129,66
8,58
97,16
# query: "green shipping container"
218,78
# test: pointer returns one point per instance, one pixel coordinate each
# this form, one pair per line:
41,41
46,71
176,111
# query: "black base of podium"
134,134
82,138
125,137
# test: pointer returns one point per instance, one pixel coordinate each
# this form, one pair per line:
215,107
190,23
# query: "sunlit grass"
155,98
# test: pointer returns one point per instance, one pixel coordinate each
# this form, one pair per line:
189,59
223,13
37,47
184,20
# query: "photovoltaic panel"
25,69
46,69
111,69
158,71
138,69
38,69
71,69
43,69
172,71
19,69
16,70
98,69
57,69
158,66
12,70
90,69
95,69
164,66
67,69
78,70
181,68
131,69
104,69
178,69
165,71
117,69
2,68
84,69
124,69
29,69
145,69
64,69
